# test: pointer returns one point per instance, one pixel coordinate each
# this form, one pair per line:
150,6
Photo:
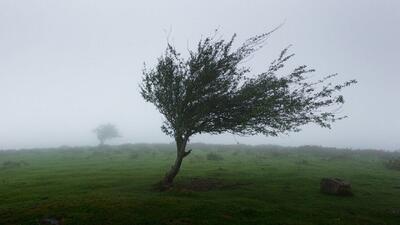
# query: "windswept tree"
211,91
106,132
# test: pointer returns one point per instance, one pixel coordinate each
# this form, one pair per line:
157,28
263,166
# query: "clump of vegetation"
393,164
100,154
303,162
235,153
340,156
249,212
279,153
214,157
134,155
196,158
13,164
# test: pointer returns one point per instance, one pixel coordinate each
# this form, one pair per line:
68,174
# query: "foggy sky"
67,66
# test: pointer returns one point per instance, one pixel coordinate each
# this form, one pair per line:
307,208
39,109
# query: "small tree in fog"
209,92
106,132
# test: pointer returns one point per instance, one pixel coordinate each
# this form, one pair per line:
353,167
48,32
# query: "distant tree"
209,92
106,132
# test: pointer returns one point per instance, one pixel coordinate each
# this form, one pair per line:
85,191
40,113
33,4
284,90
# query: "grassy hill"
218,184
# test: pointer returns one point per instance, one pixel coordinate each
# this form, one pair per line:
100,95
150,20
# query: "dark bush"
134,155
12,164
214,157
303,162
196,158
393,164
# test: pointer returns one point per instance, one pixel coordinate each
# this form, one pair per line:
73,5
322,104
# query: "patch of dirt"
207,184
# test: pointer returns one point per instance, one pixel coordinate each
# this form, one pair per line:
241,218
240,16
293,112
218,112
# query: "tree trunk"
181,153
101,142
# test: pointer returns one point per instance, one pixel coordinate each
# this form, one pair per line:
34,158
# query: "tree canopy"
106,132
209,93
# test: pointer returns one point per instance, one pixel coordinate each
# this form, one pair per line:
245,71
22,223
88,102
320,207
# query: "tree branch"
186,153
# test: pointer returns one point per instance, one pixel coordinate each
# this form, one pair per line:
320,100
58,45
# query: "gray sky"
66,66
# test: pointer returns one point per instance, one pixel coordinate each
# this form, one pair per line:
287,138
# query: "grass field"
242,185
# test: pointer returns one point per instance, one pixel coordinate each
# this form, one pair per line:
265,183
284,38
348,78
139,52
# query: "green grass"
113,185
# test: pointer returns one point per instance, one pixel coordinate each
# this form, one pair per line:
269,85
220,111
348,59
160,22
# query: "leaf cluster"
211,91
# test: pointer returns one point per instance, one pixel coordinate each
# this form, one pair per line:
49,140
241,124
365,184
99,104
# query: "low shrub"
393,164
303,162
214,157
134,155
13,164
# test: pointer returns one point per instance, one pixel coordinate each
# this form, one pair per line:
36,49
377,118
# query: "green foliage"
13,164
211,91
106,132
393,164
214,156
134,155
